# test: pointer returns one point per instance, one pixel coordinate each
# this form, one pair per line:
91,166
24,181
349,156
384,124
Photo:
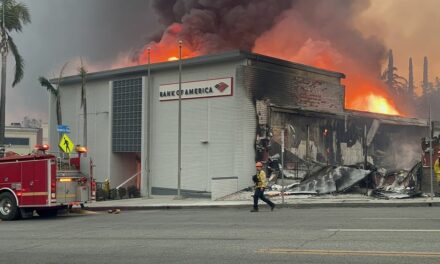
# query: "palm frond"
83,74
19,62
16,15
46,83
60,77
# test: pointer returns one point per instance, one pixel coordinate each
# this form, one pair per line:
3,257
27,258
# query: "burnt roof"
205,59
354,114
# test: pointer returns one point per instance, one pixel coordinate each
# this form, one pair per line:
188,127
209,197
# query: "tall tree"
436,85
390,71
410,79
83,74
425,83
55,91
396,84
13,16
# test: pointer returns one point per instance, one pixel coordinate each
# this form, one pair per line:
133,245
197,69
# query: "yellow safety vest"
262,181
437,169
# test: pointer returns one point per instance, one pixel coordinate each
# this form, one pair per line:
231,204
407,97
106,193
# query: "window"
17,141
127,122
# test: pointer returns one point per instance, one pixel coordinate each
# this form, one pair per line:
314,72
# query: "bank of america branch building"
132,121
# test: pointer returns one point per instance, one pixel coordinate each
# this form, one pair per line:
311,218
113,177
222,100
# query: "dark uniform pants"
259,194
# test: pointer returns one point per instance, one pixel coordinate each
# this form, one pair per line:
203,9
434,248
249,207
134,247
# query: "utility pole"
148,159
410,79
425,83
179,141
282,166
430,152
4,54
308,150
366,157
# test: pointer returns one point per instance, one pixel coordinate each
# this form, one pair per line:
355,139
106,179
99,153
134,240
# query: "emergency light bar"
42,147
80,149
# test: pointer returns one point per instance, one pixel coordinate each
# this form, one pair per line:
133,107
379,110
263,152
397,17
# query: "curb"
239,206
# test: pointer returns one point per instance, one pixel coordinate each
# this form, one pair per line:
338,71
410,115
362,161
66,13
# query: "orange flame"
366,94
362,93
376,104
379,104
167,49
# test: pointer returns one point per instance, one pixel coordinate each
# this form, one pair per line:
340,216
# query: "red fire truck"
42,182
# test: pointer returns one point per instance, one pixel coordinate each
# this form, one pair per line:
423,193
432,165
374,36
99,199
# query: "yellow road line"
347,252
383,230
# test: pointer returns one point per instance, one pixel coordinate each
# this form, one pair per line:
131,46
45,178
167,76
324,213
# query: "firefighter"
260,185
107,188
437,168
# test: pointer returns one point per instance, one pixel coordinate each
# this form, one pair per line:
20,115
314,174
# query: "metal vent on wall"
127,114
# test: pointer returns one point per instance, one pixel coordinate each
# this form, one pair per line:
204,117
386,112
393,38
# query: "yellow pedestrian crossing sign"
66,144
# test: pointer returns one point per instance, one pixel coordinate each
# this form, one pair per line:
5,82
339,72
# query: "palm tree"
14,16
55,91
83,74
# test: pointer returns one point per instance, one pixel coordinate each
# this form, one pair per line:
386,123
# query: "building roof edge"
218,57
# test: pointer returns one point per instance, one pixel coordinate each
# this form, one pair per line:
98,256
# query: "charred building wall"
308,104
344,140
299,86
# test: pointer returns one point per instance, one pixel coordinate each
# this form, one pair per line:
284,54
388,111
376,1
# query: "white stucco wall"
217,133
20,132
98,119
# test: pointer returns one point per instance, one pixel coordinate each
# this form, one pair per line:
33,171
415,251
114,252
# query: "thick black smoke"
219,25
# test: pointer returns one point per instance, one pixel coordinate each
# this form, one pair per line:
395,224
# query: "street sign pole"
179,143
148,159
430,152
282,166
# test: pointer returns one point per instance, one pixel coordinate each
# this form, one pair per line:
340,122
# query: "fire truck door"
34,179
10,174
41,187
27,179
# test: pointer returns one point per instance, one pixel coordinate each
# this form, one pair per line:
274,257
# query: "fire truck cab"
42,182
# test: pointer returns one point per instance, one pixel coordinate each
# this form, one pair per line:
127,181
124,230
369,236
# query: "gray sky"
104,31
64,30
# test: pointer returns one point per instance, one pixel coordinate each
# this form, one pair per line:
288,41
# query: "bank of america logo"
221,86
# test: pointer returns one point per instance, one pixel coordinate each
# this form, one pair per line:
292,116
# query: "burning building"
234,106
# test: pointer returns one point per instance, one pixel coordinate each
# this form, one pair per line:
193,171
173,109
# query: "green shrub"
113,194
122,192
133,192
101,195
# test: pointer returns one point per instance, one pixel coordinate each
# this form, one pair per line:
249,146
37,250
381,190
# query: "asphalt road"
333,235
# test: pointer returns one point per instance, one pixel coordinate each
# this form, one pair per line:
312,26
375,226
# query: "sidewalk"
160,202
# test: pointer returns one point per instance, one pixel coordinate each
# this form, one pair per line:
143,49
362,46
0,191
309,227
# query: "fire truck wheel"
47,213
8,207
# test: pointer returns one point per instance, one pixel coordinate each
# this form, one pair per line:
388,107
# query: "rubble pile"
399,184
350,179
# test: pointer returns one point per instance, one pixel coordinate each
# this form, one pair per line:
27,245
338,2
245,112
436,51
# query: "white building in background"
22,140
45,128
219,120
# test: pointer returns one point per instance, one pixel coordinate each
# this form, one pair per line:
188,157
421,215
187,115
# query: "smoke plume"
313,32
211,26
322,33
316,32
